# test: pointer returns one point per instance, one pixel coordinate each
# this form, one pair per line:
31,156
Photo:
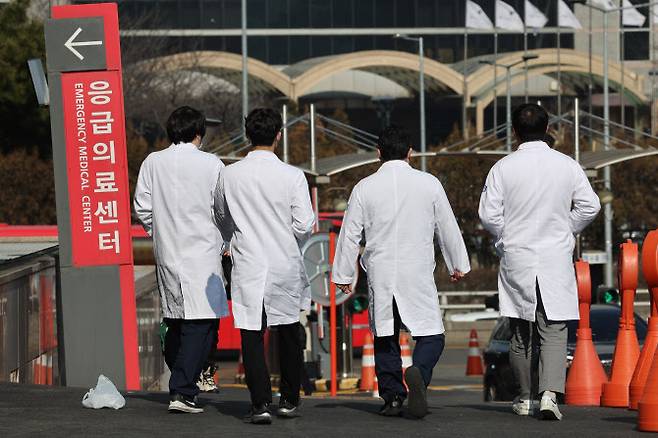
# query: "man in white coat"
400,211
174,203
264,210
534,202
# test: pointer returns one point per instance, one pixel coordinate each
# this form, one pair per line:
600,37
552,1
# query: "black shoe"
258,415
392,408
179,403
417,404
287,409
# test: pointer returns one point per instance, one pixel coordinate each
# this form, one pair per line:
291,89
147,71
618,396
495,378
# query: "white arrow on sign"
70,44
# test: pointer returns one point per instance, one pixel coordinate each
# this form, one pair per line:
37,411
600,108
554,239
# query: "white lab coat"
400,210
264,210
534,201
174,203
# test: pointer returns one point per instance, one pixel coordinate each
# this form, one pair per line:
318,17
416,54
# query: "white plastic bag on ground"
105,395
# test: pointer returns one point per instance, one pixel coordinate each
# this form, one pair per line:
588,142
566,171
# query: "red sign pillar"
93,200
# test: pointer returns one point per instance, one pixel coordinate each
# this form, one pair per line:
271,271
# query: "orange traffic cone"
647,419
405,352
474,362
586,375
627,348
367,364
650,269
375,389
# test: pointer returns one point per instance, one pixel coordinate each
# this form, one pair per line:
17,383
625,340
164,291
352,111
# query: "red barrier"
650,269
586,375
627,348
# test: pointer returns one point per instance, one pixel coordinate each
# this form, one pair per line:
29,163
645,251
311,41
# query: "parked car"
499,381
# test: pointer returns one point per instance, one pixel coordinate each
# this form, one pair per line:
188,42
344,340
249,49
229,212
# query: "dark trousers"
388,363
212,353
187,344
291,361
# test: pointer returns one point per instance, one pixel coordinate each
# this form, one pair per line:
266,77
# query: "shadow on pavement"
627,420
156,397
357,406
236,409
488,408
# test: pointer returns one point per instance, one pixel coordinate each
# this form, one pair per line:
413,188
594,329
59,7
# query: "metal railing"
446,297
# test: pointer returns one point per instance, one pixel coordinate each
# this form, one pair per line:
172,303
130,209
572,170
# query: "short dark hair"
262,125
184,124
393,143
530,122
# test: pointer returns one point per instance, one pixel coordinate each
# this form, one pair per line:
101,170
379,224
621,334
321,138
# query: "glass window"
446,48
189,14
386,42
510,42
636,45
167,14
320,46
426,13
232,14
364,43
452,13
364,13
320,13
212,14
405,13
214,43
278,50
384,15
257,14
233,44
343,13
343,44
299,48
257,47
299,13
277,14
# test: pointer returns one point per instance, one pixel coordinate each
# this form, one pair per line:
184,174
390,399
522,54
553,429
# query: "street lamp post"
421,85
245,73
508,99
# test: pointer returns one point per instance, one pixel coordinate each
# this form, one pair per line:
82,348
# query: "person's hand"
456,276
345,288
226,253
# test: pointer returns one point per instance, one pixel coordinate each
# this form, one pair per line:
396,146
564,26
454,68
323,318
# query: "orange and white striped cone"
367,364
474,362
405,351
375,389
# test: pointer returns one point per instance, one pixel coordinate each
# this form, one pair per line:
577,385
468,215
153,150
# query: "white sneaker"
206,382
548,407
523,407
179,403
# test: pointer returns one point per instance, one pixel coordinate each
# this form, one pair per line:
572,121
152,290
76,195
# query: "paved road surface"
457,410
54,412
